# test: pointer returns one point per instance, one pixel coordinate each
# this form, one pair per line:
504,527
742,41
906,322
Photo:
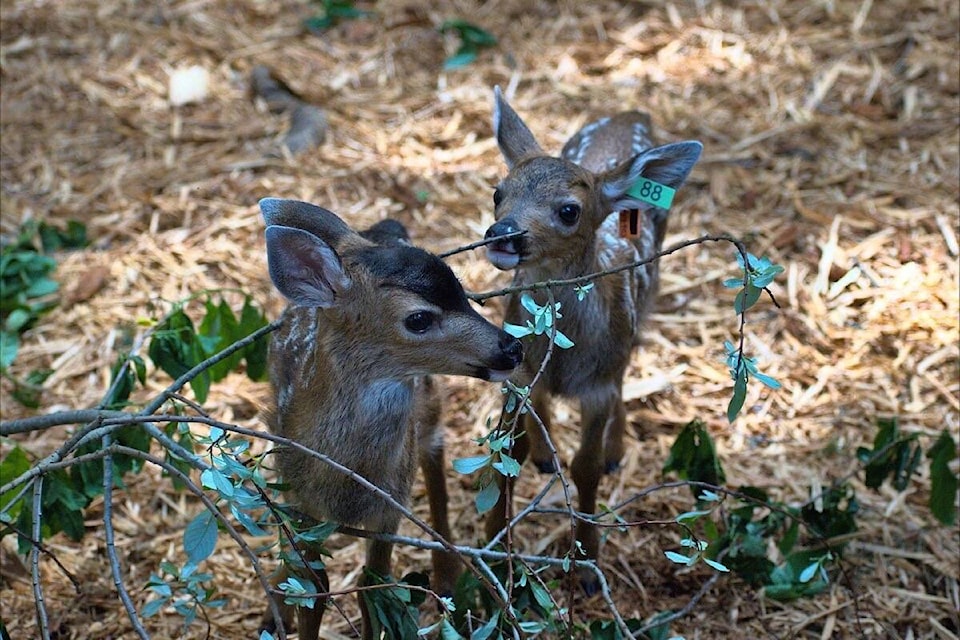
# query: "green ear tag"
659,195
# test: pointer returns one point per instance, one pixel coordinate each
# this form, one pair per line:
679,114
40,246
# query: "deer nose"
501,228
511,347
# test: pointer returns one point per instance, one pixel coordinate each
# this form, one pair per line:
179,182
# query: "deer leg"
308,619
586,469
497,519
613,448
446,566
540,450
378,561
268,623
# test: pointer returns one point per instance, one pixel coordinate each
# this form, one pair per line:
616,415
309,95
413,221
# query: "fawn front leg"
446,566
613,437
378,562
586,469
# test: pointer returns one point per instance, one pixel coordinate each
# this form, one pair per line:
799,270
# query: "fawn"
369,319
568,208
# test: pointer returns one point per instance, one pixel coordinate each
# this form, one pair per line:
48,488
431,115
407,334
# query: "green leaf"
487,497
738,397
716,565
17,320
507,466
807,574
467,466
448,632
42,287
528,303
153,607
175,348
13,465
9,345
746,298
693,456
218,330
252,319
691,516
562,341
214,479
200,537
486,631
766,276
516,330
943,489
766,380
733,283
679,558
541,595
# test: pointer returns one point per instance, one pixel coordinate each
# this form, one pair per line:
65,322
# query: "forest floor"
831,146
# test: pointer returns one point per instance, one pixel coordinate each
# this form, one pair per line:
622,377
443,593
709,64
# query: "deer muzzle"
505,254
509,358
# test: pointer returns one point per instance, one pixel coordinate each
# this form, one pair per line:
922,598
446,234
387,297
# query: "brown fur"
351,380
597,166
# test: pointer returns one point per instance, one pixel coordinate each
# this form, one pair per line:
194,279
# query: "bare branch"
111,548
480,243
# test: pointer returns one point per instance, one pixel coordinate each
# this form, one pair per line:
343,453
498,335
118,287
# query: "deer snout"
509,358
511,347
504,254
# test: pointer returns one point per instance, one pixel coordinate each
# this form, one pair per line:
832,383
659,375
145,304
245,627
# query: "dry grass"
831,135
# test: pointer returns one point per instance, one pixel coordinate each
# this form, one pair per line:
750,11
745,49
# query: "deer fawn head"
399,308
560,203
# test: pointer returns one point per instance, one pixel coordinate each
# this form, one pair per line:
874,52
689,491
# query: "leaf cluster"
27,290
544,319
331,13
898,457
177,346
472,40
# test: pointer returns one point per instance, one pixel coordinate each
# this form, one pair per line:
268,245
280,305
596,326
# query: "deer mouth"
504,254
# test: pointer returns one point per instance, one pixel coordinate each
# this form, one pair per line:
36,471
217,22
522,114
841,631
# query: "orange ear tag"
630,223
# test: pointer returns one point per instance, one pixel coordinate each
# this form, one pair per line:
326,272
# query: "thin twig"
546,284
480,243
42,619
111,548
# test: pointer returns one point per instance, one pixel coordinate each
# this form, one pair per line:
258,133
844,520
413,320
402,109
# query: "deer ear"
322,223
669,165
304,268
513,136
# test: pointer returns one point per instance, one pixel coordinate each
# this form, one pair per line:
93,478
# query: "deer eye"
569,213
497,197
419,322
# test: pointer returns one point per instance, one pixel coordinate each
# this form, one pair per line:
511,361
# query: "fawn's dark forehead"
417,271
